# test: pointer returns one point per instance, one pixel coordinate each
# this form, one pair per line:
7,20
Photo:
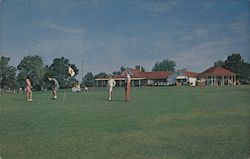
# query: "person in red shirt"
127,86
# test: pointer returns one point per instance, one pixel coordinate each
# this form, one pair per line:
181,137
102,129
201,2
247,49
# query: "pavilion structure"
217,76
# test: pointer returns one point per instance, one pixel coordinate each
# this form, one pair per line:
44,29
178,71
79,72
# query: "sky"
108,34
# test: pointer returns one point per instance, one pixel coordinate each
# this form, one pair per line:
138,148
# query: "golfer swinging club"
54,87
110,85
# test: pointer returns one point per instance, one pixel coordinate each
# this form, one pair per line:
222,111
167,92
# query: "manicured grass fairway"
159,123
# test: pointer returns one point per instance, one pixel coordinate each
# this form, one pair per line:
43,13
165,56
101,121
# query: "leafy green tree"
59,70
88,80
31,66
122,68
246,76
101,75
220,63
142,69
115,73
47,83
234,62
7,73
165,65
237,65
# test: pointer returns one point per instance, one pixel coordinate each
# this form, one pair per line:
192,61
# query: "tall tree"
34,67
115,73
101,75
165,65
7,73
220,63
142,69
234,62
88,80
59,70
237,65
47,83
122,68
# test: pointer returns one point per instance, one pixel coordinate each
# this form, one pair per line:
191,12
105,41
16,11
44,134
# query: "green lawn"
158,123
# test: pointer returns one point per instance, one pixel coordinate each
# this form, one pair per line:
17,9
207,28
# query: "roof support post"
234,79
223,80
212,80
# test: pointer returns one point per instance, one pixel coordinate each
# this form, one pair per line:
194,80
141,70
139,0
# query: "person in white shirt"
110,85
127,86
54,86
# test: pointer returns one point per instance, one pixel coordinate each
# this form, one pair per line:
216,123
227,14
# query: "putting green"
160,122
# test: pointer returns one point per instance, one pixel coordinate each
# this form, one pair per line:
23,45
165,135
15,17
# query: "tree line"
33,66
14,77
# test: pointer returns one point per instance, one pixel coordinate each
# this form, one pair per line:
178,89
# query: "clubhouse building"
214,76
138,78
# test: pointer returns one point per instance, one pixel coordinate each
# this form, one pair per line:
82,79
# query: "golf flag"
71,71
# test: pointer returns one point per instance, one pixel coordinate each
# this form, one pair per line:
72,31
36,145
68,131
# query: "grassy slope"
168,122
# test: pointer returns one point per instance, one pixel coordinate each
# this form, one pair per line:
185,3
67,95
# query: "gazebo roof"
218,71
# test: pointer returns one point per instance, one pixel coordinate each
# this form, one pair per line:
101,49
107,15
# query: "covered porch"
120,82
220,80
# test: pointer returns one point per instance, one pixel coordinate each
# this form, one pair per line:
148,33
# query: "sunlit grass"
164,122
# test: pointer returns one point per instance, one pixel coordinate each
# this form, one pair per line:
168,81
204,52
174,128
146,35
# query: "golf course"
158,123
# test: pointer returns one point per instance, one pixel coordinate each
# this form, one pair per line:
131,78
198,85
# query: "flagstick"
72,73
64,95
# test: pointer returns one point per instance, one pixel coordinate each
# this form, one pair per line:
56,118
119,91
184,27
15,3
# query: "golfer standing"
110,85
54,87
127,86
28,90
